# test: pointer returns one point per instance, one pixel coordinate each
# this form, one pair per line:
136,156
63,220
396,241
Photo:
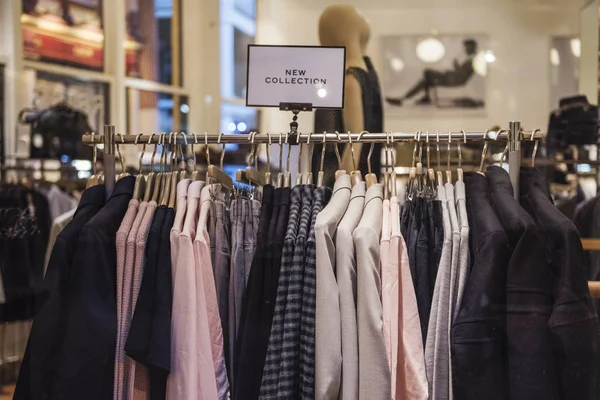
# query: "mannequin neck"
354,56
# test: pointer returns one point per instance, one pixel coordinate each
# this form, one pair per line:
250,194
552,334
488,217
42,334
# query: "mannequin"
342,25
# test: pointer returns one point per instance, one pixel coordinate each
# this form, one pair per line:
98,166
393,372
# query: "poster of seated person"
435,72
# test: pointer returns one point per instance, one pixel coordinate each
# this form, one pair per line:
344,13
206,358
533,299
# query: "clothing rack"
514,135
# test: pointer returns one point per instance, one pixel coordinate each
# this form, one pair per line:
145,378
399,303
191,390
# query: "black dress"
332,121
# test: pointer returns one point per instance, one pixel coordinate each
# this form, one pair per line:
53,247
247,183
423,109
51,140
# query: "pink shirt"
180,209
192,372
411,378
121,244
392,288
138,373
204,265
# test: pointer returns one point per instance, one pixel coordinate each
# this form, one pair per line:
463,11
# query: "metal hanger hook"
269,153
427,141
94,153
143,151
449,153
119,152
352,150
280,151
535,147
337,150
323,151
207,150
222,151
289,145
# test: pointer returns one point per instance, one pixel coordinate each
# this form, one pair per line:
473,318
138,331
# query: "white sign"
296,74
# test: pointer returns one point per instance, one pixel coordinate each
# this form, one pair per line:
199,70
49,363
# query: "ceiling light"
554,57
480,64
489,56
241,126
396,64
430,50
231,127
321,92
576,47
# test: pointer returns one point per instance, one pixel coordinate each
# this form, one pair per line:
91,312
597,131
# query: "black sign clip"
295,108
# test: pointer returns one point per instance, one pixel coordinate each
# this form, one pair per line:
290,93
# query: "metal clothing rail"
513,136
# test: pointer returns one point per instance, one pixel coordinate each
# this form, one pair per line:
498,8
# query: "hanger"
175,176
287,177
387,166
121,160
321,173
167,175
280,174
448,171
152,175
195,173
299,172
355,175
216,174
459,170
339,171
140,182
253,176
412,172
309,175
483,152
440,174
535,147
268,173
505,151
431,191
183,171
370,178
156,194
419,171
95,178
393,151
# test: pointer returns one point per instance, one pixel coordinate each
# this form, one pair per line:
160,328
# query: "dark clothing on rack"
255,324
575,122
280,375
587,220
309,300
39,362
424,251
24,232
159,356
139,338
220,251
85,362
529,297
377,104
573,323
436,235
333,121
478,332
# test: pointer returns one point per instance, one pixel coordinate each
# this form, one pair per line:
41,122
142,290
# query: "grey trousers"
245,214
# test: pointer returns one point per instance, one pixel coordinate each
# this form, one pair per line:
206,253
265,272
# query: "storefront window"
153,41
66,32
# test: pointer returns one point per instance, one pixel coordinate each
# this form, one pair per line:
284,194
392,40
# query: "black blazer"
39,362
529,297
573,323
85,363
478,333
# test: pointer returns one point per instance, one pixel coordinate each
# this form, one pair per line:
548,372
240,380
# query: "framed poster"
435,72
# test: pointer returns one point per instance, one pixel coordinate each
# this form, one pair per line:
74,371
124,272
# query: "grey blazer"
328,346
374,374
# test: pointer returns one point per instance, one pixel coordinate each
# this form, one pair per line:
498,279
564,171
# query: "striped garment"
271,371
309,301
